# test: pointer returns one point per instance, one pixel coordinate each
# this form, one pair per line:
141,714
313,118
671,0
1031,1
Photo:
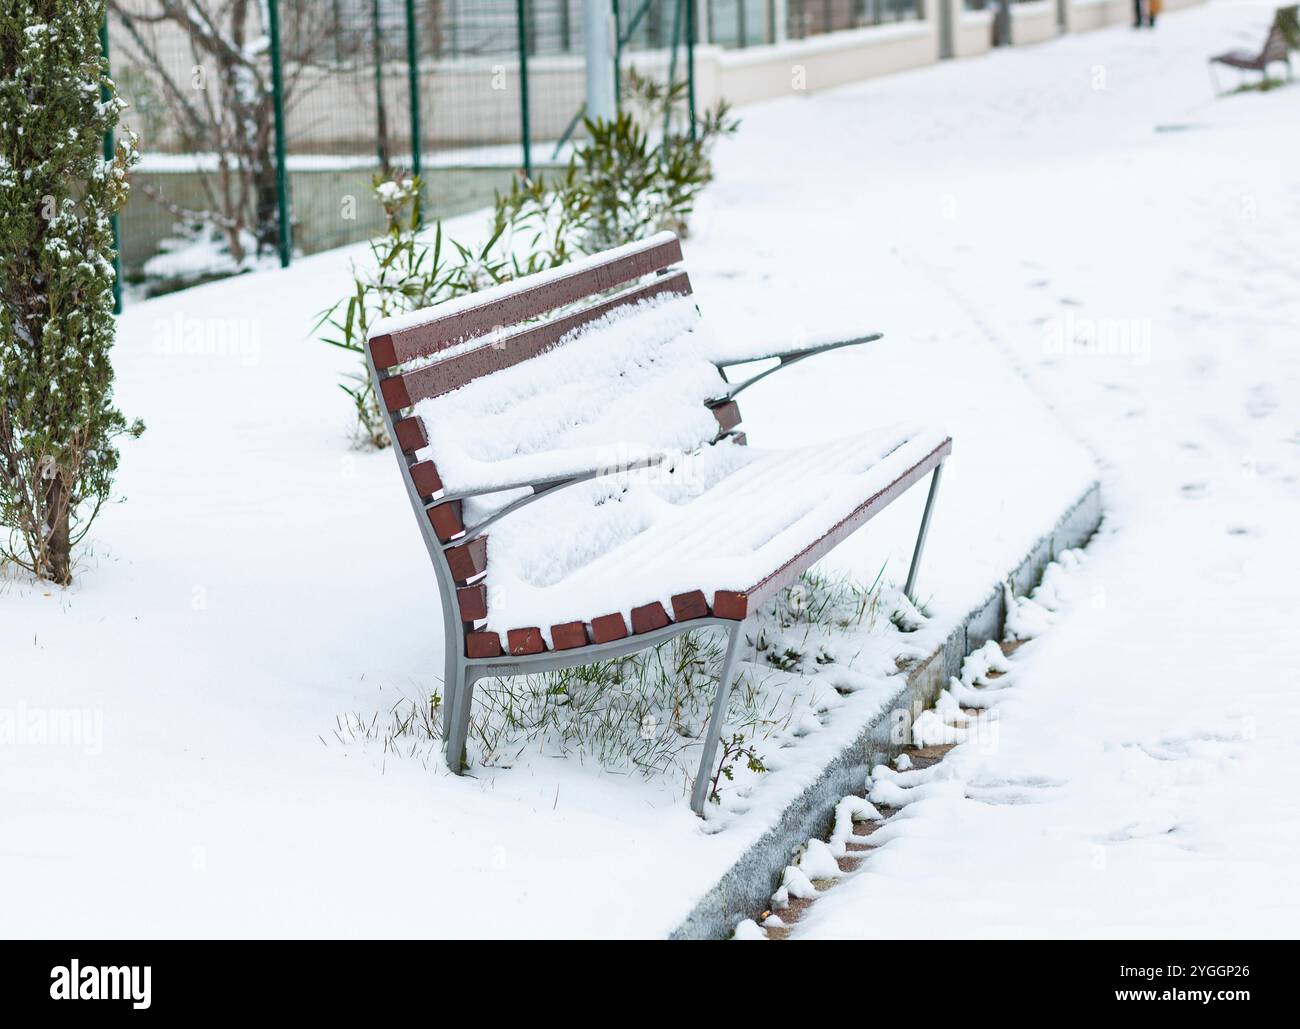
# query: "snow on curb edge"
748,884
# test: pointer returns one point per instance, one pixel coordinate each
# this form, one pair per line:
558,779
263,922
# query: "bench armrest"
539,488
784,359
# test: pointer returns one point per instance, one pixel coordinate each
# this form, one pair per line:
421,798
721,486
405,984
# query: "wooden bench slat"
649,617
473,602
468,560
410,434
495,307
606,628
690,605
740,604
446,520
569,635
482,644
426,479
402,391
728,415
526,641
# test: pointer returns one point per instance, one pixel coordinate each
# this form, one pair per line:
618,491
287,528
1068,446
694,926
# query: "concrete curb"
747,886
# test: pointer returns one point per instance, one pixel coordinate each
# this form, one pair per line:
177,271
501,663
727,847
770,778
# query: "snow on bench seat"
717,522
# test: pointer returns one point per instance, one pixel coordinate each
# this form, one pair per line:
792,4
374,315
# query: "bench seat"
717,532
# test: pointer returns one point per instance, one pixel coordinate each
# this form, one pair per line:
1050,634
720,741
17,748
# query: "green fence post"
523,88
672,63
618,58
413,77
381,105
690,63
110,151
277,100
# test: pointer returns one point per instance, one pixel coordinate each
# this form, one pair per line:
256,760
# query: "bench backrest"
432,353
479,325
1283,36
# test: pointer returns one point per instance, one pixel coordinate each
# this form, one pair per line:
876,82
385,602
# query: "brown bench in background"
1283,37
450,347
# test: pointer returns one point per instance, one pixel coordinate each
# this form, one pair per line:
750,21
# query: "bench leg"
450,677
700,792
462,694
910,589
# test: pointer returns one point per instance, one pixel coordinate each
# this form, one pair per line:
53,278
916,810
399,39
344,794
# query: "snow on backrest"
488,312
626,386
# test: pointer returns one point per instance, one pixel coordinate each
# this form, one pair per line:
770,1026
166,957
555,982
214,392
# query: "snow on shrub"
58,194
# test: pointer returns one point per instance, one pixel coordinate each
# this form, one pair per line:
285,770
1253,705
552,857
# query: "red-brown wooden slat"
446,520
426,478
738,604
689,605
569,635
649,617
401,391
442,331
410,434
607,628
468,560
526,641
482,644
473,602
730,604
728,415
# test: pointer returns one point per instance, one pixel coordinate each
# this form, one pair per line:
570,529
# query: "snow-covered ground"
1140,776
263,581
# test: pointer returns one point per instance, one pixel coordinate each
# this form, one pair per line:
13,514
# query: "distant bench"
572,450
1283,37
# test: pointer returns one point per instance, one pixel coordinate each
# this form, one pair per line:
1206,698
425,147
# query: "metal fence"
745,23
277,156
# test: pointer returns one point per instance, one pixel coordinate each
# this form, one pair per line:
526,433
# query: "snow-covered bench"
572,450
1278,44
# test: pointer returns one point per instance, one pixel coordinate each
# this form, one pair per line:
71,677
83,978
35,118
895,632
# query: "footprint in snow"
1194,490
1260,402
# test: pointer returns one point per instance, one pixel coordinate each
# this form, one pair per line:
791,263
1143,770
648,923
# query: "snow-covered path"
1142,779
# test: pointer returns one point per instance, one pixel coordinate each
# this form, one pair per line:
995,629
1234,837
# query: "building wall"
1085,15
972,31
821,62
1033,22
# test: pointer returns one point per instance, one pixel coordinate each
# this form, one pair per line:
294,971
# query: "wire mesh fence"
814,17
468,93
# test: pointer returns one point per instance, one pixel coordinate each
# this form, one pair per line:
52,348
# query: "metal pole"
672,64
413,81
602,51
277,99
523,88
381,108
110,152
277,91
690,63
618,59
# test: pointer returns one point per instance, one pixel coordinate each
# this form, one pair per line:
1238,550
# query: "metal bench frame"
461,671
